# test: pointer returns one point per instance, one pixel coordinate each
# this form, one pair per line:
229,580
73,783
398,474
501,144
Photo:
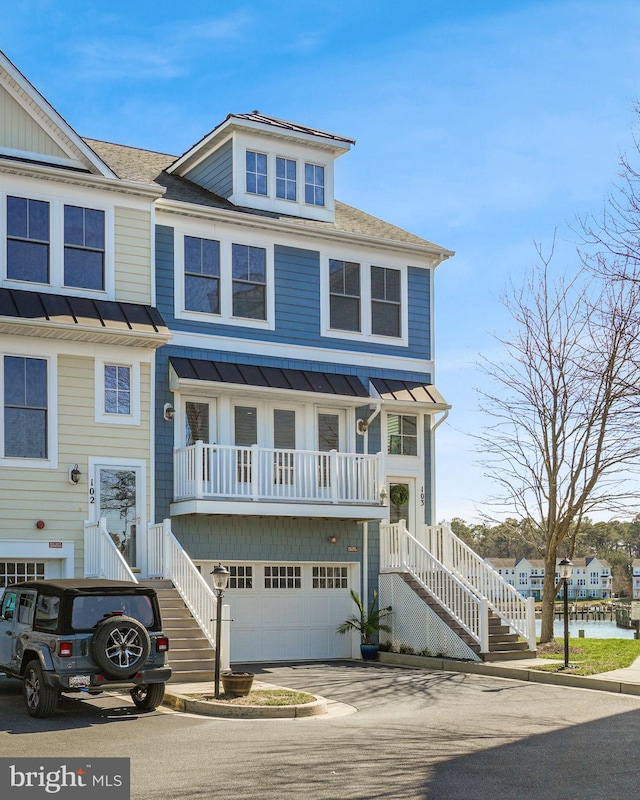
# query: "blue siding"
216,172
297,306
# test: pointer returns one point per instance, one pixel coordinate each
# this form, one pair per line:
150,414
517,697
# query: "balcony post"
333,475
255,466
199,469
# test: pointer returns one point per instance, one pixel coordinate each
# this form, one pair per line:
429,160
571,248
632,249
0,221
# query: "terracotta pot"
237,683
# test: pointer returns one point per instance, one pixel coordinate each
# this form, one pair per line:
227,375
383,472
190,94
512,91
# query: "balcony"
226,479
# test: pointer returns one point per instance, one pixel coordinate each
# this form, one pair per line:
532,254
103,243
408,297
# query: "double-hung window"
249,270
27,240
313,184
256,164
286,178
25,407
201,275
117,389
344,295
402,434
84,238
385,302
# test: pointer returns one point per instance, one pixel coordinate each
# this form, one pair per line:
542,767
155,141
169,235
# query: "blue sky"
482,126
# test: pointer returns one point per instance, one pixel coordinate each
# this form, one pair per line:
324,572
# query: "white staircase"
449,578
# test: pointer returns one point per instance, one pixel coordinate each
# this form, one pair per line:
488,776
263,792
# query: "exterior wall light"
169,412
333,539
74,474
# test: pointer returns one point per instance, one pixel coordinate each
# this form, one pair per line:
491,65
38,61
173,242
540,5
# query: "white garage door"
284,612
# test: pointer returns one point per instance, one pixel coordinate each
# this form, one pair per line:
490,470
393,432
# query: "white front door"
116,493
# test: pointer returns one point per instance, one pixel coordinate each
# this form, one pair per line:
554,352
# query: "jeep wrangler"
83,636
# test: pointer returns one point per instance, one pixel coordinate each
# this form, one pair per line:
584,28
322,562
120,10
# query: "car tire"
148,696
40,699
120,646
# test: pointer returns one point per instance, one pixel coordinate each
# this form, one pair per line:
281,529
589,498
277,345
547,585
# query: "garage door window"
241,577
16,571
330,578
282,577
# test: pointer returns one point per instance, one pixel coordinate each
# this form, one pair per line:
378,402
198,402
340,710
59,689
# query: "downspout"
362,427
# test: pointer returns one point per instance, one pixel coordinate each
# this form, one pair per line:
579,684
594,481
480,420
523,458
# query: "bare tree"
564,409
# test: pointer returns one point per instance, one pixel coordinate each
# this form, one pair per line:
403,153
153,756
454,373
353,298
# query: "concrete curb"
214,708
597,683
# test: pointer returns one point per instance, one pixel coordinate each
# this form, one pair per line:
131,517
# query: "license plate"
79,680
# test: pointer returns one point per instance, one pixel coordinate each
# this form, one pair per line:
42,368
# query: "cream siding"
19,131
133,266
29,495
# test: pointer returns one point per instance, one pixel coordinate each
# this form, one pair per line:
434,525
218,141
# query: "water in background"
593,629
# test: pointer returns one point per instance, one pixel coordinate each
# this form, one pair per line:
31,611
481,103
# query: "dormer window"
286,179
256,173
314,184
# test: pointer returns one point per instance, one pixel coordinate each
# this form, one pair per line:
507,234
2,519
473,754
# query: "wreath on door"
399,494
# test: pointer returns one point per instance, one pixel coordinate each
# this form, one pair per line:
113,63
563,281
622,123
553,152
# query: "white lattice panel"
415,625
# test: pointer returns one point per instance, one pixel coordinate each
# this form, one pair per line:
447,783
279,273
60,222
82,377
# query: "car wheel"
148,696
40,699
120,646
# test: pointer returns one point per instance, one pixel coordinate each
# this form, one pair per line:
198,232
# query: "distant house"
635,568
591,579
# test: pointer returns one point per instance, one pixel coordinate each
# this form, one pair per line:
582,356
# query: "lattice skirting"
415,625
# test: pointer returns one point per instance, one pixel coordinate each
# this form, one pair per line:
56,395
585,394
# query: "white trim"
226,237
42,157
229,344
264,509
101,416
37,550
51,462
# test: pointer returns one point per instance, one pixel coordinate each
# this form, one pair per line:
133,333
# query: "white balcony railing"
203,471
102,559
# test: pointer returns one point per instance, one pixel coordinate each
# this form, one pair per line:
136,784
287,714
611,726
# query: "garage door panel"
272,624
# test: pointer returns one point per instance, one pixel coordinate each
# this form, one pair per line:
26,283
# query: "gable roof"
43,136
146,166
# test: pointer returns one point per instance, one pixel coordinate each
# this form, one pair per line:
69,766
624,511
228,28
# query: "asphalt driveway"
414,734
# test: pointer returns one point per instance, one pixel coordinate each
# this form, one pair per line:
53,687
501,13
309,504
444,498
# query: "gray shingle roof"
145,166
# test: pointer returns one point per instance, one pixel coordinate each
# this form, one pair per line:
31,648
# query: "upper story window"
57,245
83,247
256,173
344,295
27,240
117,392
25,408
365,299
201,275
249,268
385,301
229,282
402,434
286,186
314,184
117,389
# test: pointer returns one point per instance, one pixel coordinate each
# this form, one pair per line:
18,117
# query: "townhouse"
591,580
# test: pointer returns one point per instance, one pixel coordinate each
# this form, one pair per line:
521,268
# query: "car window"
47,609
8,605
88,611
26,605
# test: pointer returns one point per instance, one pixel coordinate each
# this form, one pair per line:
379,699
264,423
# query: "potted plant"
368,622
237,684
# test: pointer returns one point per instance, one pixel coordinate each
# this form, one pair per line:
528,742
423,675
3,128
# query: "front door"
118,497
402,502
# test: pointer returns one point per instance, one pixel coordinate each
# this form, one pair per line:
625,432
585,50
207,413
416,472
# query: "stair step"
508,655
511,646
503,637
192,676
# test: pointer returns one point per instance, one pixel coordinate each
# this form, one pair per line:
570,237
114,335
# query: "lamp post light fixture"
220,579
566,571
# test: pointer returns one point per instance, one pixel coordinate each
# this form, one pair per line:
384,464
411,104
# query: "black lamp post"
566,571
220,580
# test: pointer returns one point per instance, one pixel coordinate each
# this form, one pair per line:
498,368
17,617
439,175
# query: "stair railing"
102,558
401,551
169,560
515,610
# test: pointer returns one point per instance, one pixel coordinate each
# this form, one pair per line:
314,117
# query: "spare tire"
120,646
